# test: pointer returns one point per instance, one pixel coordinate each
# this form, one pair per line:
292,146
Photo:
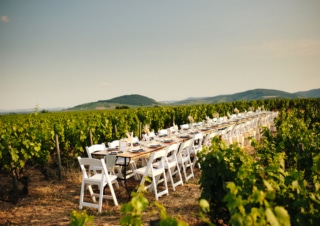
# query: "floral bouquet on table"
175,127
130,138
191,120
215,116
236,111
207,121
146,131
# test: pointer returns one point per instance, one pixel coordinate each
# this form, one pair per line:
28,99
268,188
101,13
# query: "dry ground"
50,202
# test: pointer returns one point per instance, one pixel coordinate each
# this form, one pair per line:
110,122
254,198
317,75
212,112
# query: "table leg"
125,175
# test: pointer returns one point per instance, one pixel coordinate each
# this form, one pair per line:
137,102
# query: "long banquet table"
145,148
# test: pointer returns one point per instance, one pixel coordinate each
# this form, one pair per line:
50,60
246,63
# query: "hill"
314,93
255,94
136,100
130,101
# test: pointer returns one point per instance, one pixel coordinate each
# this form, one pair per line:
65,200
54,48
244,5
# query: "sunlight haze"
66,53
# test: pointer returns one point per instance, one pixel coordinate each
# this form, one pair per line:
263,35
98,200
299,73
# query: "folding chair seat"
156,173
98,179
184,160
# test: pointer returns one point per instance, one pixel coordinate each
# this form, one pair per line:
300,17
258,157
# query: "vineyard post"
59,158
140,128
115,131
90,135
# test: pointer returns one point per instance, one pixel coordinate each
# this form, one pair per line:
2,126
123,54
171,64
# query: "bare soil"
50,201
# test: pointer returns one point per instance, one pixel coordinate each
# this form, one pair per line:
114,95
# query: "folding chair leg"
91,193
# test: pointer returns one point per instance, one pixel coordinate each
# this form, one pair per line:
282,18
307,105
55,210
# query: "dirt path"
50,202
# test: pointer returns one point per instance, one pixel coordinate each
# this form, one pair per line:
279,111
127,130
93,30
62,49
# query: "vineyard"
280,183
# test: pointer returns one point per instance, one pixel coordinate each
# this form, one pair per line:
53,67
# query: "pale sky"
62,53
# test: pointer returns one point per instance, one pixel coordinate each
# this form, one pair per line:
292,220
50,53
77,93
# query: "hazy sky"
62,53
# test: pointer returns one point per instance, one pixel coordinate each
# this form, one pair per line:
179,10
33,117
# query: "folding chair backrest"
84,162
198,139
160,154
185,147
208,139
93,148
163,132
172,150
113,144
184,126
110,162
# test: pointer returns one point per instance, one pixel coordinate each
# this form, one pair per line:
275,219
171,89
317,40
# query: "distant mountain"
131,101
136,100
314,93
255,94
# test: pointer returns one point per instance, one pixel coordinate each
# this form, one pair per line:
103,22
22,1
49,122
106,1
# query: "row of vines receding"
279,184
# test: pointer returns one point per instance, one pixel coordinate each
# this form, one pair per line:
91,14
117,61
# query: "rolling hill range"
136,100
130,101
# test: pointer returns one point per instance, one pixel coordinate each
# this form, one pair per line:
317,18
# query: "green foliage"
277,186
80,218
133,210
289,161
122,107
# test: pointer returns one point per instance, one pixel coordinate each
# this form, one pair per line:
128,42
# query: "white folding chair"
171,165
149,137
236,135
196,147
184,127
162,132
98,179
113,144
208,139
184,160
157,174
226,134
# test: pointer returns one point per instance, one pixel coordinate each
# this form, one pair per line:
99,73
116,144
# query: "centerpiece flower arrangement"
236,111
130,138
175,127
191,120
146,129
208,120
